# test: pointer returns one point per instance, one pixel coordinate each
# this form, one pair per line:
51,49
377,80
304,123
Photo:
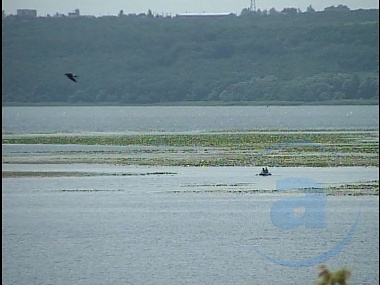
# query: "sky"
171,7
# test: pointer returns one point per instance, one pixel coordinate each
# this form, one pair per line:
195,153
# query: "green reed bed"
206,140
301,148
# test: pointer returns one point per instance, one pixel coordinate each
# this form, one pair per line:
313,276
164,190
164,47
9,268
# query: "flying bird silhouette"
71,76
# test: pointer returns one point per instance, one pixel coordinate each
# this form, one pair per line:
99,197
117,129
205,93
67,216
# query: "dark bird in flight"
71,76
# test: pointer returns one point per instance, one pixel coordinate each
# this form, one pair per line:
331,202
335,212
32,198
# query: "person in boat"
264,170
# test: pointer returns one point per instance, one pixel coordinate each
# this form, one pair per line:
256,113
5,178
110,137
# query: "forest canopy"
145,59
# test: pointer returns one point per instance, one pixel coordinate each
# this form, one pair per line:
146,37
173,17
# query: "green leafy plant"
336,277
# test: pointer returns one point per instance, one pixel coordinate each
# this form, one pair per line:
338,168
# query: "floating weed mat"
355,189
218,184
17,174
90,190
264,139
299,148
223,191
368,188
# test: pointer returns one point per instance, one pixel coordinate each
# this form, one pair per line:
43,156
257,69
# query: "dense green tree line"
140,59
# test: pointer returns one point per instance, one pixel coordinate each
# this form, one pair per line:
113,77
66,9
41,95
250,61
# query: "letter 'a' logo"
310,197
313,202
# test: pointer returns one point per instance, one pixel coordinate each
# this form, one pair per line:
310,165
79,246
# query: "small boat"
265,172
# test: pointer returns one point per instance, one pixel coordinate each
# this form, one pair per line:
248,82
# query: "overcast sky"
173,7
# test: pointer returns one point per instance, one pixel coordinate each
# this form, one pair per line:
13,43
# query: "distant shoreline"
203,103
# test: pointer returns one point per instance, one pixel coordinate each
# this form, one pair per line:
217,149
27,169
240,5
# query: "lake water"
189,226
21,120
177,225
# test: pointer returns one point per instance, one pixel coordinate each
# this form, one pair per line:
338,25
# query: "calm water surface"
23,120
182,227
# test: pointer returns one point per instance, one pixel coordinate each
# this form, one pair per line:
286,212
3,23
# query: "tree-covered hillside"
130,59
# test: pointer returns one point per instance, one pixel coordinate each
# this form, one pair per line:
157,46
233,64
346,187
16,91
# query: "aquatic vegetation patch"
217,185
297,148
355,189
350,189
90,190
232,139
224,191
18,174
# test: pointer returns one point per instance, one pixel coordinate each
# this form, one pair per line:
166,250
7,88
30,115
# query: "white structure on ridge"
253,5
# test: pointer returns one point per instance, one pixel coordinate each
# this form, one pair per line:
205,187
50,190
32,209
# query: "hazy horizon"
169,7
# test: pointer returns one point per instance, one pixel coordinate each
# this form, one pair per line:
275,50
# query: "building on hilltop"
75,13
31,13
204,14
